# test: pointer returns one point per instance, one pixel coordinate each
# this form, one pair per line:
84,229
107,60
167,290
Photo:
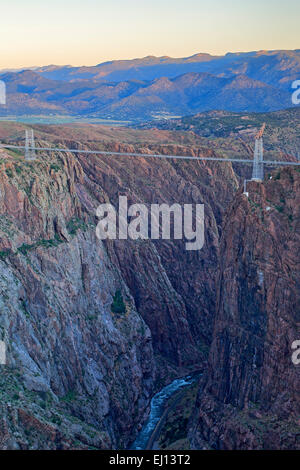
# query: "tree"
118,305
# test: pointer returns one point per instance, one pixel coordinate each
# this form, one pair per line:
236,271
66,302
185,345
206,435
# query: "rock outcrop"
250,394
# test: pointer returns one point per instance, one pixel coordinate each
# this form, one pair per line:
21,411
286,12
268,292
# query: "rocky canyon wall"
249,397
78,375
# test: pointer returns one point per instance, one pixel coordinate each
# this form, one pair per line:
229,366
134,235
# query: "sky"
88,32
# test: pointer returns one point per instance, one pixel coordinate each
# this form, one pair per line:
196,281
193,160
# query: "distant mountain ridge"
277,68
153,87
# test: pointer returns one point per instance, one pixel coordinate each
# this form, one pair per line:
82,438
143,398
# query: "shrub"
118,305
25,248
4,254
55,167
76,224
9,172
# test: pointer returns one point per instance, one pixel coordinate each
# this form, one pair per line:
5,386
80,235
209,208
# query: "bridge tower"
29,145
258,166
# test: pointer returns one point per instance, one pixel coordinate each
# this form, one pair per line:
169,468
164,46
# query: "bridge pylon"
29,145
258,165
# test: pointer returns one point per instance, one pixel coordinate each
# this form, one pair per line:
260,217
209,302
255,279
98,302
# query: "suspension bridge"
30,150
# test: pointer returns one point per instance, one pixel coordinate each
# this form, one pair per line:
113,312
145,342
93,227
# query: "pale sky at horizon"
35,32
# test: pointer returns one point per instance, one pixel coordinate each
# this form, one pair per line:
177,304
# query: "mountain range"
276,68
143,89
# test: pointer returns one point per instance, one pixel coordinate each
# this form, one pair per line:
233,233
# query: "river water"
158,403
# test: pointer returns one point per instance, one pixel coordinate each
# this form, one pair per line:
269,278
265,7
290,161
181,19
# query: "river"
158,403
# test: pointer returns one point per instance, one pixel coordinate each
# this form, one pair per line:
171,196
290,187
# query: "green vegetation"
262,426
118,305
15,153
25,248
44,410
9,172
55,167
4,254
56,420
223,123
76,224
174,431
24,308
70,396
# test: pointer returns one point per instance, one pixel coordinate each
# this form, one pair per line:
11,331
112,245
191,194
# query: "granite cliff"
249,397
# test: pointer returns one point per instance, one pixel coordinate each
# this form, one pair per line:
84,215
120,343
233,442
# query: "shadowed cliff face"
78,375
250,398
174,290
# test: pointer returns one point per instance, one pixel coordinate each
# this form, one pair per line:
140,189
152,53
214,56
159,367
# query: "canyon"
80,376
